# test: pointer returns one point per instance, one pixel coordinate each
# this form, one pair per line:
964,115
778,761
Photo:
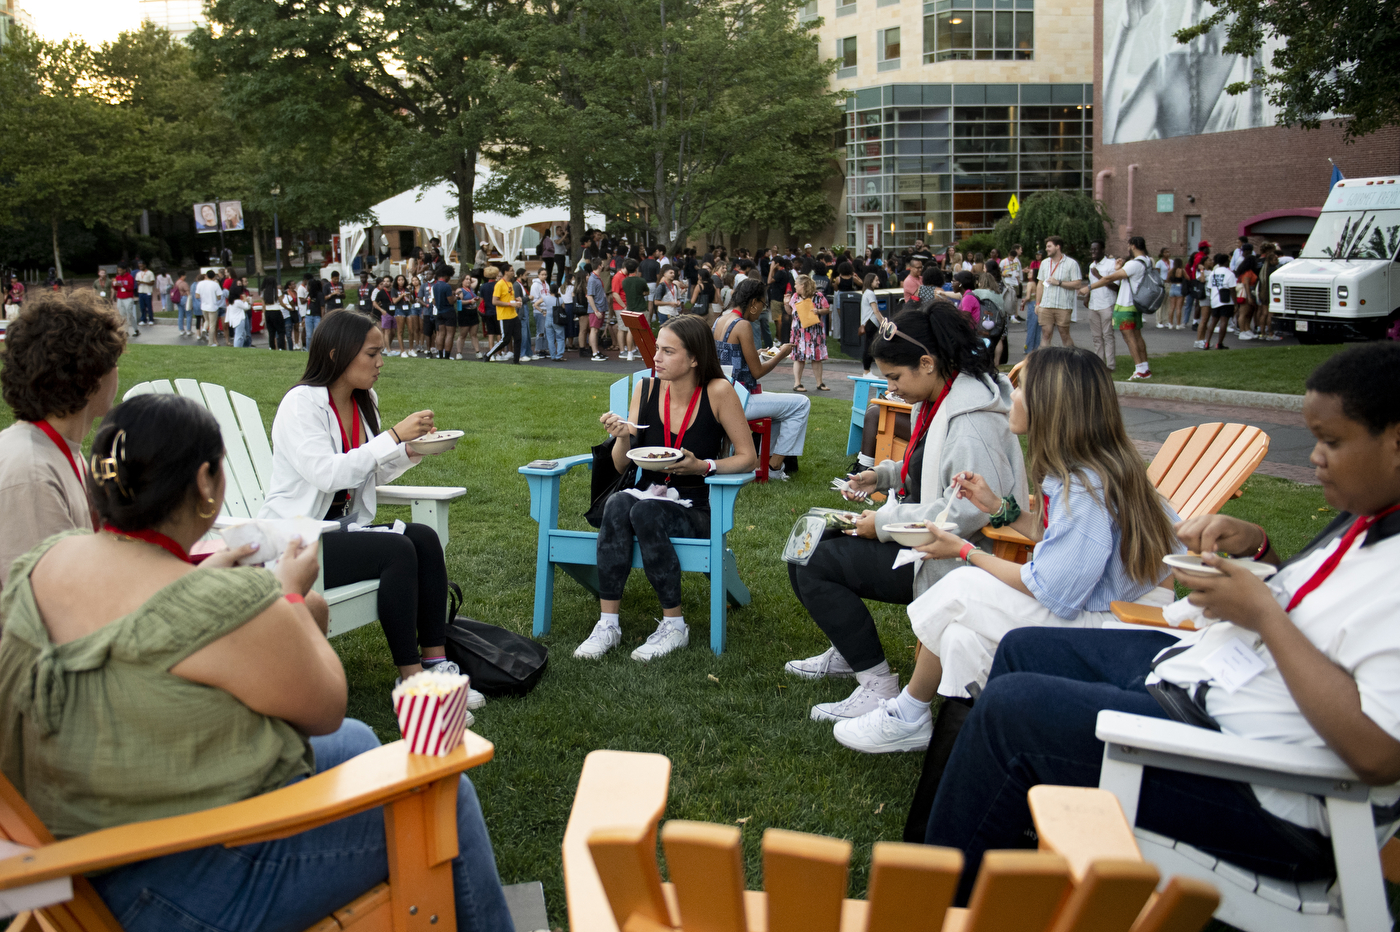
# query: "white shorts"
964,616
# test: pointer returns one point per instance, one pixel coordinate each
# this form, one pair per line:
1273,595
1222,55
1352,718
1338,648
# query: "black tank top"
703,438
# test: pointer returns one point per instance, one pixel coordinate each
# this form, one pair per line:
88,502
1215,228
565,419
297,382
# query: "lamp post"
276,236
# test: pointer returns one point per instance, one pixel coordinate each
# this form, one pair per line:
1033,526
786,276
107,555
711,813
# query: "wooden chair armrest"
1135,613
734,478
565,464
1081,824
371,779
401,494
1007,534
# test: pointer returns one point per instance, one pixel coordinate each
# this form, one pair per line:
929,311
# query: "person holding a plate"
328,454
1102,535
679,420
932,358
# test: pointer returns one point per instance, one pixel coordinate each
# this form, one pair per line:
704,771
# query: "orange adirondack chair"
1198,470
418,793
641,335
1088,877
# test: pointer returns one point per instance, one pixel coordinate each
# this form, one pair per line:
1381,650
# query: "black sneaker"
790,465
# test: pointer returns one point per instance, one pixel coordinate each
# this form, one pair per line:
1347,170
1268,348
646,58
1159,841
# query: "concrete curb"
1214,396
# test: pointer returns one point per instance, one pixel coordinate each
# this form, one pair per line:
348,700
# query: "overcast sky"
96,21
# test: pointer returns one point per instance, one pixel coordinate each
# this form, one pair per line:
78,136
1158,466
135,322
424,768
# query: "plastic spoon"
952,491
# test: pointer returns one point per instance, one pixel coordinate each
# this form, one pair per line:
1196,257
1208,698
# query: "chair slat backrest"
805,879
1017,891
1187,458
1166,455
911,886
254,435
154,387
706,864
1206,464
626,860
1184,905
240,464
1236,465
235,506
1109,898
641,334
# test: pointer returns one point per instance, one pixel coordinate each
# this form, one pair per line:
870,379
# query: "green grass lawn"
735,727
1280,369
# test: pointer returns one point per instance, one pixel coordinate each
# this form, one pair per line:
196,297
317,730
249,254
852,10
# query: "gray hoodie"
970,433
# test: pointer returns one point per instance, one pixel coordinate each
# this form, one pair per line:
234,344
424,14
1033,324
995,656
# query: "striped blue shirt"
1077,567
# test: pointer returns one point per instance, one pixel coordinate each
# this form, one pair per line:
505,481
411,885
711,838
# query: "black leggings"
653,523
872,332
843,571
412,574
276,330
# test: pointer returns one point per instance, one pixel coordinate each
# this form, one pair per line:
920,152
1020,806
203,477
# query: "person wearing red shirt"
621,336
912,282
124,290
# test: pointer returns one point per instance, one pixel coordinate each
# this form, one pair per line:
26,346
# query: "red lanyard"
921,429
690,409
62,444
151,537
345,442
1358,527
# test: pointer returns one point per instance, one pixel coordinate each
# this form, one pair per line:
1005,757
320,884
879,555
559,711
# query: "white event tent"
427,209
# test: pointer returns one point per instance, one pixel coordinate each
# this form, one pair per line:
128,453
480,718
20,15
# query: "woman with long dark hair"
690,406
328,454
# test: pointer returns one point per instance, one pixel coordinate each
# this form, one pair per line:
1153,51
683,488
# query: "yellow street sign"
1014,207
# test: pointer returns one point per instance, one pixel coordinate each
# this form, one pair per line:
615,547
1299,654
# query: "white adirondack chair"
248,470
1252,901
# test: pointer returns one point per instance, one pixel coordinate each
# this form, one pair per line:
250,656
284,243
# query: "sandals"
799,387
822,388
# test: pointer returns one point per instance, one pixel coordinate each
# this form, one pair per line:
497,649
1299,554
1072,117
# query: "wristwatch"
711,467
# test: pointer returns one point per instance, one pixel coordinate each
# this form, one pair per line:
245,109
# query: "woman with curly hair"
60,376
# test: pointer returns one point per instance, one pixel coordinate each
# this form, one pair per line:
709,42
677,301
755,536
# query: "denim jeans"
765,327
311,321
1032,327
243,333
286,885
541,344
653,523
187,316
1188,307
1034,723
554,338
523,314
147,314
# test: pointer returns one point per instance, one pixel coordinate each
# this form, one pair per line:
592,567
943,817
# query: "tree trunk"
465,180
57,258
576,222
257,246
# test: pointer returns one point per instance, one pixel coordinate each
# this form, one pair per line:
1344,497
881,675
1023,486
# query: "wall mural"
1154,87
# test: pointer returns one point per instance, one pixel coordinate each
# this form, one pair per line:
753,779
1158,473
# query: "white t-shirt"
1220,283
1134,269
869,304
1236,258
538,290
303,298
207,290
1011,271
1065,269
1351,618
1101,299
1164,269
145,282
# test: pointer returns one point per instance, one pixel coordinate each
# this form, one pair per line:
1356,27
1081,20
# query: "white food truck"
1346,282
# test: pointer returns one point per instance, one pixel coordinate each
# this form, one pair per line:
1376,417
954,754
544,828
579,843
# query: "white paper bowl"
915,534
439,441
1192,564
647,457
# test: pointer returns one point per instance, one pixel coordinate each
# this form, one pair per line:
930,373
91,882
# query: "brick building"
1176,160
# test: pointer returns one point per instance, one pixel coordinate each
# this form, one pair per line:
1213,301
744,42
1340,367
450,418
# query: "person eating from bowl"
932,358
178,690
734,341
689,406
328,454
1325,670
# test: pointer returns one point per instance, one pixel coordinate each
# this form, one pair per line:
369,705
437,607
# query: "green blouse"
98,732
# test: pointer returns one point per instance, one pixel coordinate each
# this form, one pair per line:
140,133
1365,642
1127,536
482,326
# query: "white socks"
867,461
677,622
610,620
908,709
1140,368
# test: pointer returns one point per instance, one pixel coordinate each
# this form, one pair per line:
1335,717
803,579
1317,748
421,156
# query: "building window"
954,31
845,7
887,41
809,12
846,55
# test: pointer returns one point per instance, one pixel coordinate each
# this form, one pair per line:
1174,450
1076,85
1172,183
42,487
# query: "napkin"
271,535
1182,611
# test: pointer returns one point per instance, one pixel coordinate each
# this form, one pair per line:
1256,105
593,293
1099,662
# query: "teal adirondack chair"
866,390
576,552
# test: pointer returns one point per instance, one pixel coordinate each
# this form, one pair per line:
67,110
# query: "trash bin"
850,322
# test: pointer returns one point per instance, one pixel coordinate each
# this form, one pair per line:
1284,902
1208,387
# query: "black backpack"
499,662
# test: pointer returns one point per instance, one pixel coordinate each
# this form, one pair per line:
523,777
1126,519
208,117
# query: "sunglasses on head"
889,331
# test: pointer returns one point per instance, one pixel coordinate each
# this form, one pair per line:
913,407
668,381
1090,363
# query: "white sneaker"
412,352
1161,326
603,639
859,702
1247,335
1199,344
829,663
599,357
480,355
779,474
880,731
666,638
458,356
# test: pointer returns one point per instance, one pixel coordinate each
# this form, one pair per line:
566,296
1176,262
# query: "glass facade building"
938,162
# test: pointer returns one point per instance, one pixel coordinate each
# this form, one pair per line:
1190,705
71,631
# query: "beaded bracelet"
1007,514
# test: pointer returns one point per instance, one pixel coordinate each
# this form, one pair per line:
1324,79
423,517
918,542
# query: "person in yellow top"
507,312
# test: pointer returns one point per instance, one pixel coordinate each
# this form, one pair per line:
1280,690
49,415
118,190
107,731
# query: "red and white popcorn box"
432,711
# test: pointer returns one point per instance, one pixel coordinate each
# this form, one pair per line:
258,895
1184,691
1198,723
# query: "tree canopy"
1074,216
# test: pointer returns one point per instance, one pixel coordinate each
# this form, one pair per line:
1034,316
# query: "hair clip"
107,467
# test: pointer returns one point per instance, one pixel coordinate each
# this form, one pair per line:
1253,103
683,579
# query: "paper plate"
439,441
1193,564
655,456
915,534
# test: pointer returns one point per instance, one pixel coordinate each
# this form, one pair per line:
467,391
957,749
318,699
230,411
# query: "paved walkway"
1149,420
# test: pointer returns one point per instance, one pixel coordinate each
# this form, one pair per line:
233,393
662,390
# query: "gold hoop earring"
213,510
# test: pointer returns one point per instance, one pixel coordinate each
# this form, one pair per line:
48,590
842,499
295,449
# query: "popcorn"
432,711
